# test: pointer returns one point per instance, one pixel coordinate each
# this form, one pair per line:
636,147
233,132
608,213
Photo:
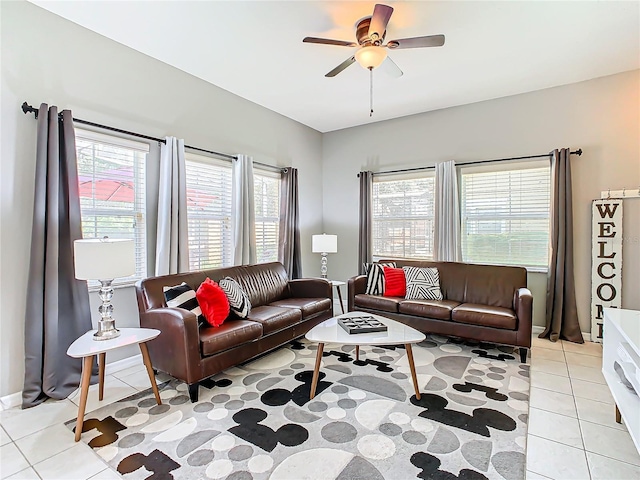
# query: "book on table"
361,324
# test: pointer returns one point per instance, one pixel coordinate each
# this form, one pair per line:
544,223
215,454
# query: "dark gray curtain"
562,313
289,238
364,232
57,304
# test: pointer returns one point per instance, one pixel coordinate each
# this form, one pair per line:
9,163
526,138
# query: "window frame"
276,175
423,175
505,167
225,220
138,213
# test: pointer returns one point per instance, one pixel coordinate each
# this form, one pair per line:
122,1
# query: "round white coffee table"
397,333
86,347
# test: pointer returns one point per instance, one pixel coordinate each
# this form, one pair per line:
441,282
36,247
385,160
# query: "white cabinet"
621,345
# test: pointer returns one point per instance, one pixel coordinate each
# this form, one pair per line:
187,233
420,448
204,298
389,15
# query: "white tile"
11,460
609,442
46,443
598,412
604,468
586,373
593,391
539,353
549,366
534,476
545,343
553,426
130,370
27,474
139,380
551,382
114,390
552,402
583,360
76,463
4,437
586,348
555,460
19,423
107,474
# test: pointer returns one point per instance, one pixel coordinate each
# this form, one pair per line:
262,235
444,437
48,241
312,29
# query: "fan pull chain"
371,91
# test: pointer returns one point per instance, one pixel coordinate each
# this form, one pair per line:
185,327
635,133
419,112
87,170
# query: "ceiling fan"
370,35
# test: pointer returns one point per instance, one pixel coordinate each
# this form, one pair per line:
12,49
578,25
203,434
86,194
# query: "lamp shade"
371,56
104,258
324,243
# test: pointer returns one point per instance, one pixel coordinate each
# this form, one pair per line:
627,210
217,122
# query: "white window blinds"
111,172
267,206
403,217
505,215
208,212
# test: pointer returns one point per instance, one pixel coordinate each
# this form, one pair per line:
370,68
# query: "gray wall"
601,116
48,59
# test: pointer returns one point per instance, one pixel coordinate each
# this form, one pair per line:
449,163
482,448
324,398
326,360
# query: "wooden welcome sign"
606,261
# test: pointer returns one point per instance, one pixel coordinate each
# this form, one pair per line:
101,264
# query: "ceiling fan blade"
417,42
390,68
379,21
328,41
341,67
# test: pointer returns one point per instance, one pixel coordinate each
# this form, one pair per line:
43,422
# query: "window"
112,195
403,218
209,212
505,215
266,186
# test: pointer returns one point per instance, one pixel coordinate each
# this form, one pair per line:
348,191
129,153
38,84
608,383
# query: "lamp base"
106,330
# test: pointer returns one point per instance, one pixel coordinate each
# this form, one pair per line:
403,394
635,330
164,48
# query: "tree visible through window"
505,216
403,218
112,194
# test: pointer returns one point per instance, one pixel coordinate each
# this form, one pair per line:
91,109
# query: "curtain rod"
26,108
416,169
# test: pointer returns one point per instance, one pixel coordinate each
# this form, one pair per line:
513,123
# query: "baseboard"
10,401
538,330
15,399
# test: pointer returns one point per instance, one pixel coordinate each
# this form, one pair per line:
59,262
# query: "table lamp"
324,244
104,259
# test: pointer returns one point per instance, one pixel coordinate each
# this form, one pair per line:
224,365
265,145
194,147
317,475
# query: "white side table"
86,347
338,284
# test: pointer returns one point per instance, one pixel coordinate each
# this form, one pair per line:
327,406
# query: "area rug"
256,421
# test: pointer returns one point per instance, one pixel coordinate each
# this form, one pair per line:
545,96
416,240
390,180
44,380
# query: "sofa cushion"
273,318
183,296
228,335
485,315
377,302
440,309
308,306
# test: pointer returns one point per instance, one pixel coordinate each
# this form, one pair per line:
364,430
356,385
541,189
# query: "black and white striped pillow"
183,296
375,277
238,300
423,283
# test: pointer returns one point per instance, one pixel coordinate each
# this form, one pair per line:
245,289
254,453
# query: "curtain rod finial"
26,108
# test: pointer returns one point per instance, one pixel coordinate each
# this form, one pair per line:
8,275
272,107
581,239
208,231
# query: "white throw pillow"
423,283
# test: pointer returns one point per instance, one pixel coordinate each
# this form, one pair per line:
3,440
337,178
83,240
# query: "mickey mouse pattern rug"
256,421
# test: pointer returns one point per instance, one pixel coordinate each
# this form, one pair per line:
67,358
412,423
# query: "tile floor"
572,432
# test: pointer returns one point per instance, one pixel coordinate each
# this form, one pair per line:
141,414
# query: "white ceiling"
255,49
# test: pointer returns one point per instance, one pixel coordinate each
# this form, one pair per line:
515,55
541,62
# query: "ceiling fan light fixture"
371,56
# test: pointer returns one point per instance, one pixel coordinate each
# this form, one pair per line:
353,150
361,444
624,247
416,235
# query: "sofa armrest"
523,306
176,350
355,285
310,288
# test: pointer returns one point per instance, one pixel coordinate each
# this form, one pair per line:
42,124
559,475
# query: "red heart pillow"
213,302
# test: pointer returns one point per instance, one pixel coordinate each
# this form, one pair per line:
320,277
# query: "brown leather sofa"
282,310
480,302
